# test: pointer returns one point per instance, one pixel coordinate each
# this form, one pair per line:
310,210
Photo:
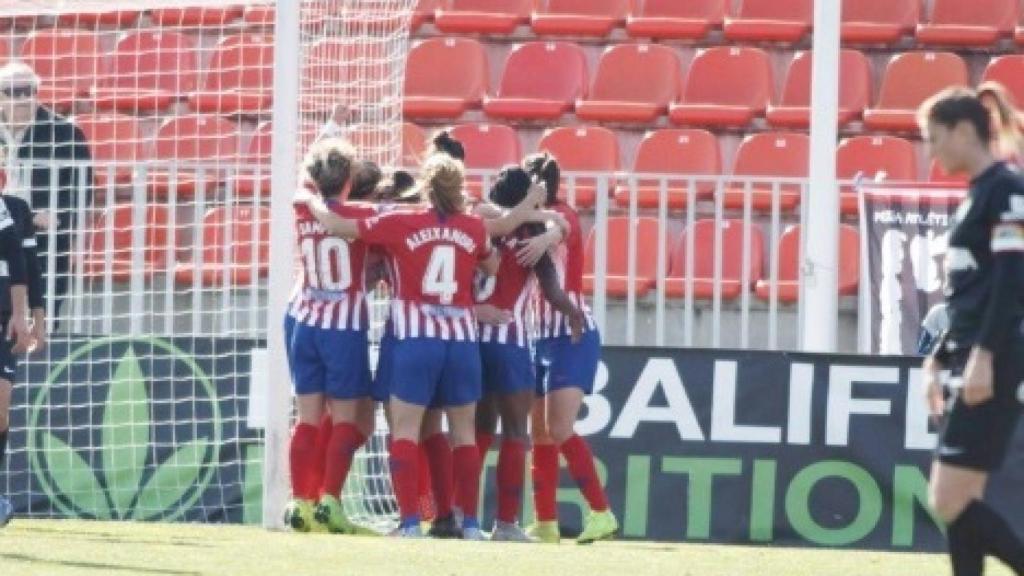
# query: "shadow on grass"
115,538
95,565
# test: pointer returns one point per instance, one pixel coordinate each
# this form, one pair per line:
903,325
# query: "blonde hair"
443,176
329,165
1008,141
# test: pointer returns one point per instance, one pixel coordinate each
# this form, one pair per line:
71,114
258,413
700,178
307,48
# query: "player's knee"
946,503
4,421
560,431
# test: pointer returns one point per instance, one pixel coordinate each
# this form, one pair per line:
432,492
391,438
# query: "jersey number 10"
318,257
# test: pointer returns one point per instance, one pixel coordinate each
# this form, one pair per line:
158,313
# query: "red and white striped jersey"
512,289
331,290
435,259
568,259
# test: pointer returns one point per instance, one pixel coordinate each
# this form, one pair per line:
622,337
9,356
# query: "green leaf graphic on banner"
74,477
171,480
126,426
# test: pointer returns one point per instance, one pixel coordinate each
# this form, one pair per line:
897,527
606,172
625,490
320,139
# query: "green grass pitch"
64,547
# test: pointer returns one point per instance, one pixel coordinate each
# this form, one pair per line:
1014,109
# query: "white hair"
17,71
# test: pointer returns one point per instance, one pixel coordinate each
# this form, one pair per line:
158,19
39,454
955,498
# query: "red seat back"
647,73
488,145
242,61
448,68
913,77
730,75
68,57
870,155
545,70
197,137
618,250
703,232
854,81
153,60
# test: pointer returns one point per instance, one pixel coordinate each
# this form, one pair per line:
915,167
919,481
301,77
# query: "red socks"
323,437
466,464
581,467
424,486
302,461
404,473
439,454
545,481
511,472
345,440
483,443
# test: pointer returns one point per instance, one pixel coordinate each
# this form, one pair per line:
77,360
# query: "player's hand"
39,330
537,195
931,374
532,250
19,333
577,321
489,314
42,220
978,385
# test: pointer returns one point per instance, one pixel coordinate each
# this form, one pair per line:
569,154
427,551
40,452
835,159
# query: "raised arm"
525,211
332,222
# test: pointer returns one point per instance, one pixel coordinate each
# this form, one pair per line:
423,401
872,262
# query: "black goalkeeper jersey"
984,275
12,256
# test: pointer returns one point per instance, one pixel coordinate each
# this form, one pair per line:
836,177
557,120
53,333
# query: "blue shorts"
289,331
432,372
381,388
562,364
329,361
507,368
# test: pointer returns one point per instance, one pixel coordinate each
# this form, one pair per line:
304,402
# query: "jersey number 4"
327,263
439,280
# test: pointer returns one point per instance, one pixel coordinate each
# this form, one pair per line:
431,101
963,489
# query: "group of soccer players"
486,321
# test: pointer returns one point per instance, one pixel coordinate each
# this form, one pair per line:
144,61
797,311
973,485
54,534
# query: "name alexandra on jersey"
443,234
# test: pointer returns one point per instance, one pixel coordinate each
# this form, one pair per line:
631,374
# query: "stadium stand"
118,223
414,144
256,157
116,143
488,147
768,155
704,258
423,13
889,157
191,139
102,18
1008,70
878,21
196,16
578,17
435,88
582,149
148,71
909,79
687,152
674,20
770,21
726,86
541,81
793,110
617,270
975,23
68,63
633,83
239,77
788,286
236,243
482,16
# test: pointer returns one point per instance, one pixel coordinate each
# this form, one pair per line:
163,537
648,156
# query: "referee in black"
15,336
983,348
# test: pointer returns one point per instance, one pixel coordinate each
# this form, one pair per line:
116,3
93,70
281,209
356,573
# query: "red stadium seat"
909,80
67,61
149,71
704,256
111,18
116,145
579,17
259,15
256,159
972,23
633,83
794,111
240,77
879,21
770,21
5,51
207,140
414,145
789,265
687,152
542,81
488,147
482,16
195,16
617,268
435,88
423,13
672,19
766,156
582,149
241,231
727,86
119,222
872,156
1008,71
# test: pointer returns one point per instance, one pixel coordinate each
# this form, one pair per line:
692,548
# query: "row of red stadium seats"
723,87
731,284
950,22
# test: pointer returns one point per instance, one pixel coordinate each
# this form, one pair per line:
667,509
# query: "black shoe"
445,528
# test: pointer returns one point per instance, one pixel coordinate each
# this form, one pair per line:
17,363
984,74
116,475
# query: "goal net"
158,144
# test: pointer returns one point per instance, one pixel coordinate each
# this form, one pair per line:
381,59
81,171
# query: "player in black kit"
983,348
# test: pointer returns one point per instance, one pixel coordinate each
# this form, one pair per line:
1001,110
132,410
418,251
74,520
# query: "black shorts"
978,437
8,362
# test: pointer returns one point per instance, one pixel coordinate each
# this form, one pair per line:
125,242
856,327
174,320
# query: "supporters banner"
766,447
135,428
903,251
